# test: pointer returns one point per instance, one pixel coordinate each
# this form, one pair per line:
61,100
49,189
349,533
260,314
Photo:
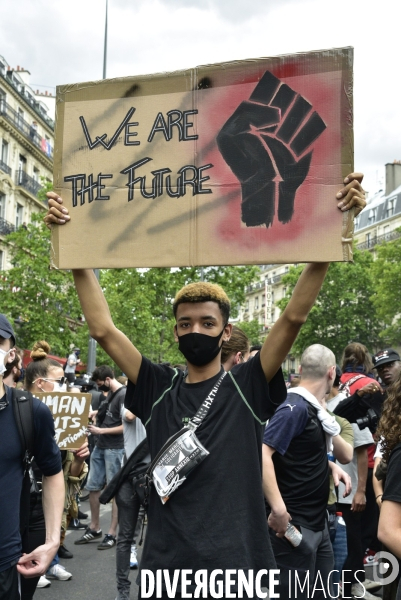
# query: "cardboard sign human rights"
70,411
232,163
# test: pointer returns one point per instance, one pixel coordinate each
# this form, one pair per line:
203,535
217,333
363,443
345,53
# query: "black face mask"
199,349
103,388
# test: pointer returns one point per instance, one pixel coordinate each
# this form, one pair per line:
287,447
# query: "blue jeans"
104,464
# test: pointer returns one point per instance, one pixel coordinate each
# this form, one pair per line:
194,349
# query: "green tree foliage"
140,302
344,310
252,330
386,273
43,304
35,298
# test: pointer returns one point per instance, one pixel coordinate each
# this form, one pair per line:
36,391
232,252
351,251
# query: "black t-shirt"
112,419
216,519
47,456
392,487
300,461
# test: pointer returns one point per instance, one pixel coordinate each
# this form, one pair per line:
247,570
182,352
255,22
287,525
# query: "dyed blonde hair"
202,291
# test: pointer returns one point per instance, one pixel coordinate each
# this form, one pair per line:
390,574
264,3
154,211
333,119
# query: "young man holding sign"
208,527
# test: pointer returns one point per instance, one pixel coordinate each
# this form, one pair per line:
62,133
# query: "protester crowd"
274,471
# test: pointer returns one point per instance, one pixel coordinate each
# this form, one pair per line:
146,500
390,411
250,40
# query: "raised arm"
284,332
101,326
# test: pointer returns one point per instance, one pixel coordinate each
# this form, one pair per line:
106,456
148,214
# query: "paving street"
93,571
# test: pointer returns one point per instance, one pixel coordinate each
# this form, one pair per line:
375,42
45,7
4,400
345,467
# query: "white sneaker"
58,572
133,561
357,591
369,584
43,582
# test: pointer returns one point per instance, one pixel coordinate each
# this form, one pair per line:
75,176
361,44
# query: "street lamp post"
92,343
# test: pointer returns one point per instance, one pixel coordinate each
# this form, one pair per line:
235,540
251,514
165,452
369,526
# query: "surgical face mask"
199,349
59,388
3,355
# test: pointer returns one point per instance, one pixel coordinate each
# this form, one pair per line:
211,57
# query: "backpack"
23,414
345,388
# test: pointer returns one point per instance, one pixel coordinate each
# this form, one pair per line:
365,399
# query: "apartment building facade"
26,152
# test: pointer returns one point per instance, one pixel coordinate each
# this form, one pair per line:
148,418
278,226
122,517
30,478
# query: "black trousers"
312,559
28,586
356,549
9,586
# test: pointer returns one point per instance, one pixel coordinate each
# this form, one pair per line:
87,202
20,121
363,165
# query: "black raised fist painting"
268,144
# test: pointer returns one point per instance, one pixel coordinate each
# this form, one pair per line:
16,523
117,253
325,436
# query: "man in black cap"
388,365
47,457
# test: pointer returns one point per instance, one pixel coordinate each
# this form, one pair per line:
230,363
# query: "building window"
1,260
2,205
22,163
19,214
4,152
272,317
3,97
36,174
284,292
372,216
20,118
390,207
256,303
368,239
247,306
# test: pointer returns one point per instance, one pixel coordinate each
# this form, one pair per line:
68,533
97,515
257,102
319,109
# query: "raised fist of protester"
264,143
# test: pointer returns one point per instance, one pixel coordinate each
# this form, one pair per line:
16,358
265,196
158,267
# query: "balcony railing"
380,239
27,182
254,287
20,89
28,130
5,168
6,227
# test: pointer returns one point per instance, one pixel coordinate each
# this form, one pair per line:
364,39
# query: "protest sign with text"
70,411
234,163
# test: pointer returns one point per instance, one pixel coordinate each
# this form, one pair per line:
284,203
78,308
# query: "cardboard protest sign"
70,411
233,163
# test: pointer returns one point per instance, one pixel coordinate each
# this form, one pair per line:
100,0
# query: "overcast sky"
62,42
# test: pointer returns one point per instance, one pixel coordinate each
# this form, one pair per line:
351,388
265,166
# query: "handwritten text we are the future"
175,124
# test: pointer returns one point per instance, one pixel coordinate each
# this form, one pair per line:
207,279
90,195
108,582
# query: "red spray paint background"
315,202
